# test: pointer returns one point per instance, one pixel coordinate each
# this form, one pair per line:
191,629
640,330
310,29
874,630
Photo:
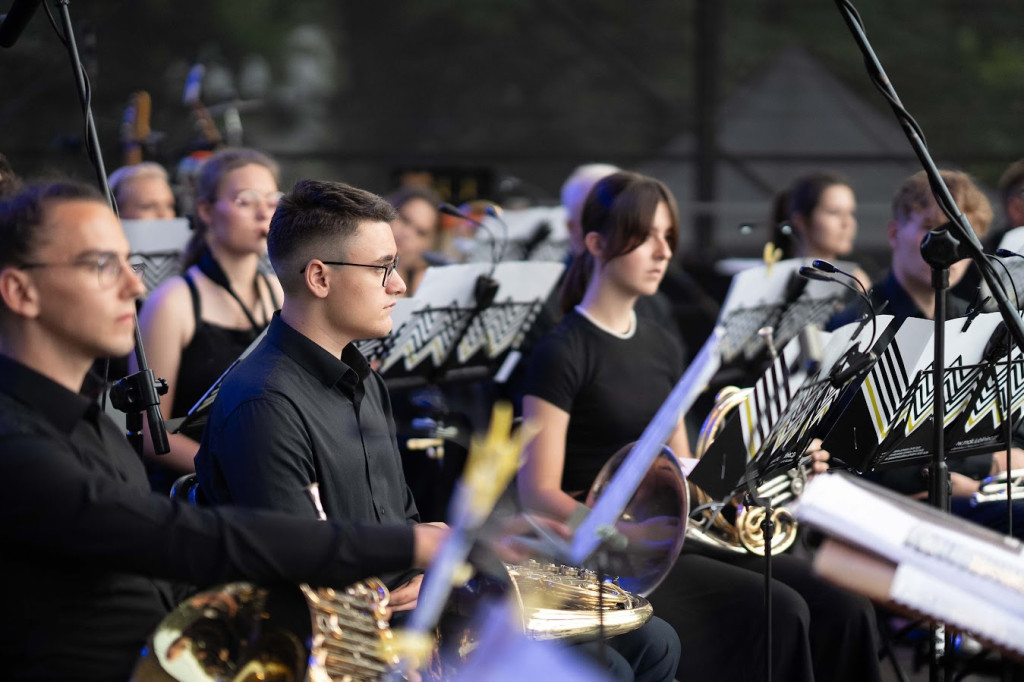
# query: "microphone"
495,212
15,21
536,238
855,360
825,266
448,209
486,287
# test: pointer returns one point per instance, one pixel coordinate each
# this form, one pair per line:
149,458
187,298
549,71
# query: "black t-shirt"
610,386
84,540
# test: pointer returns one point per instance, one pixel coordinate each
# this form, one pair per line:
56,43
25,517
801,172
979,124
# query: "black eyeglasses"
108,266
388,268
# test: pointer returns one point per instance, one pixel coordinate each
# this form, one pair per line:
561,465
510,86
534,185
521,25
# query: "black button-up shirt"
292,414
83,539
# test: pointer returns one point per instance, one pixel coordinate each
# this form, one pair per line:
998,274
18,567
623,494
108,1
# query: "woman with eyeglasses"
194,326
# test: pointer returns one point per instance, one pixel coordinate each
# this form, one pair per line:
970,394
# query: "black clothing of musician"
292,414
85,541
889,296
611,385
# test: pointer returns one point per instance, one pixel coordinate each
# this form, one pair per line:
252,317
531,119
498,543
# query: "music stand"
776,424
774,296
158,245
890,420
193,423
445,334
981,424
538,233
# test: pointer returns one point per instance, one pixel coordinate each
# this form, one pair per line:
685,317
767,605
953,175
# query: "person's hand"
963,486
427,539
819,458
405,596
510,531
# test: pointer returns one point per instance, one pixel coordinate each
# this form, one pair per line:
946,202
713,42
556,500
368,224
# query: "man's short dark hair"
23,212
314,220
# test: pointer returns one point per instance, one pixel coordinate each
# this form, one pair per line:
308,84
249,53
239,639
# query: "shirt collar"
59,406
348,371
901,305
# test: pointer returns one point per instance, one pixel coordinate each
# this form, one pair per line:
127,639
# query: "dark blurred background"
726,100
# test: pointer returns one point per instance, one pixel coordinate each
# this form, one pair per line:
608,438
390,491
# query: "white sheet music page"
951,551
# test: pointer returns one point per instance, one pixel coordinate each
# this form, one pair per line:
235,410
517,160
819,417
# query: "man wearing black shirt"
907,292
305,406
87,547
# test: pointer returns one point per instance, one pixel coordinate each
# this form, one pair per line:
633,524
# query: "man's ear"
594,244
892,227
18,292
316,279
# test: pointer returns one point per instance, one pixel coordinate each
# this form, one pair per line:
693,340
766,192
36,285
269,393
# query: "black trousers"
647,654
715,601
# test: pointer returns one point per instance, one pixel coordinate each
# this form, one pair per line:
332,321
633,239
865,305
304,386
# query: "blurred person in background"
816,218
416,231
142,192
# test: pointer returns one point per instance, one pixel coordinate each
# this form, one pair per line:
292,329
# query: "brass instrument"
576,591
993,488
244,632
653,523
736,527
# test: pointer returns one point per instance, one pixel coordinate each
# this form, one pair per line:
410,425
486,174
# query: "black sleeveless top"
211,351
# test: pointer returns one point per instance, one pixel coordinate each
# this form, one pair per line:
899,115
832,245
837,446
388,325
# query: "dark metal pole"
708,26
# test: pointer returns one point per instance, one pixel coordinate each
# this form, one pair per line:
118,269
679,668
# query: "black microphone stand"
138,392
968,241
939,250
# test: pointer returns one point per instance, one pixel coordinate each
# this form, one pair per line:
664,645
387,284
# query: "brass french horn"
734,526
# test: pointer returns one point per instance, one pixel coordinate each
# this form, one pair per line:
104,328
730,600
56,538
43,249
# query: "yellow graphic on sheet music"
989,403
878,419
771,255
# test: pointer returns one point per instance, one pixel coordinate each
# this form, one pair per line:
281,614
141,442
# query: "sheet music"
817,402
157,244
427,326
756,298
954,553
899,391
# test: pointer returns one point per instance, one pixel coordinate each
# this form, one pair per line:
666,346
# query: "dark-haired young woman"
820,210
593,385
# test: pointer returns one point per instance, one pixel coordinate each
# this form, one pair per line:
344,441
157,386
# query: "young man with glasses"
88,550
304,407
